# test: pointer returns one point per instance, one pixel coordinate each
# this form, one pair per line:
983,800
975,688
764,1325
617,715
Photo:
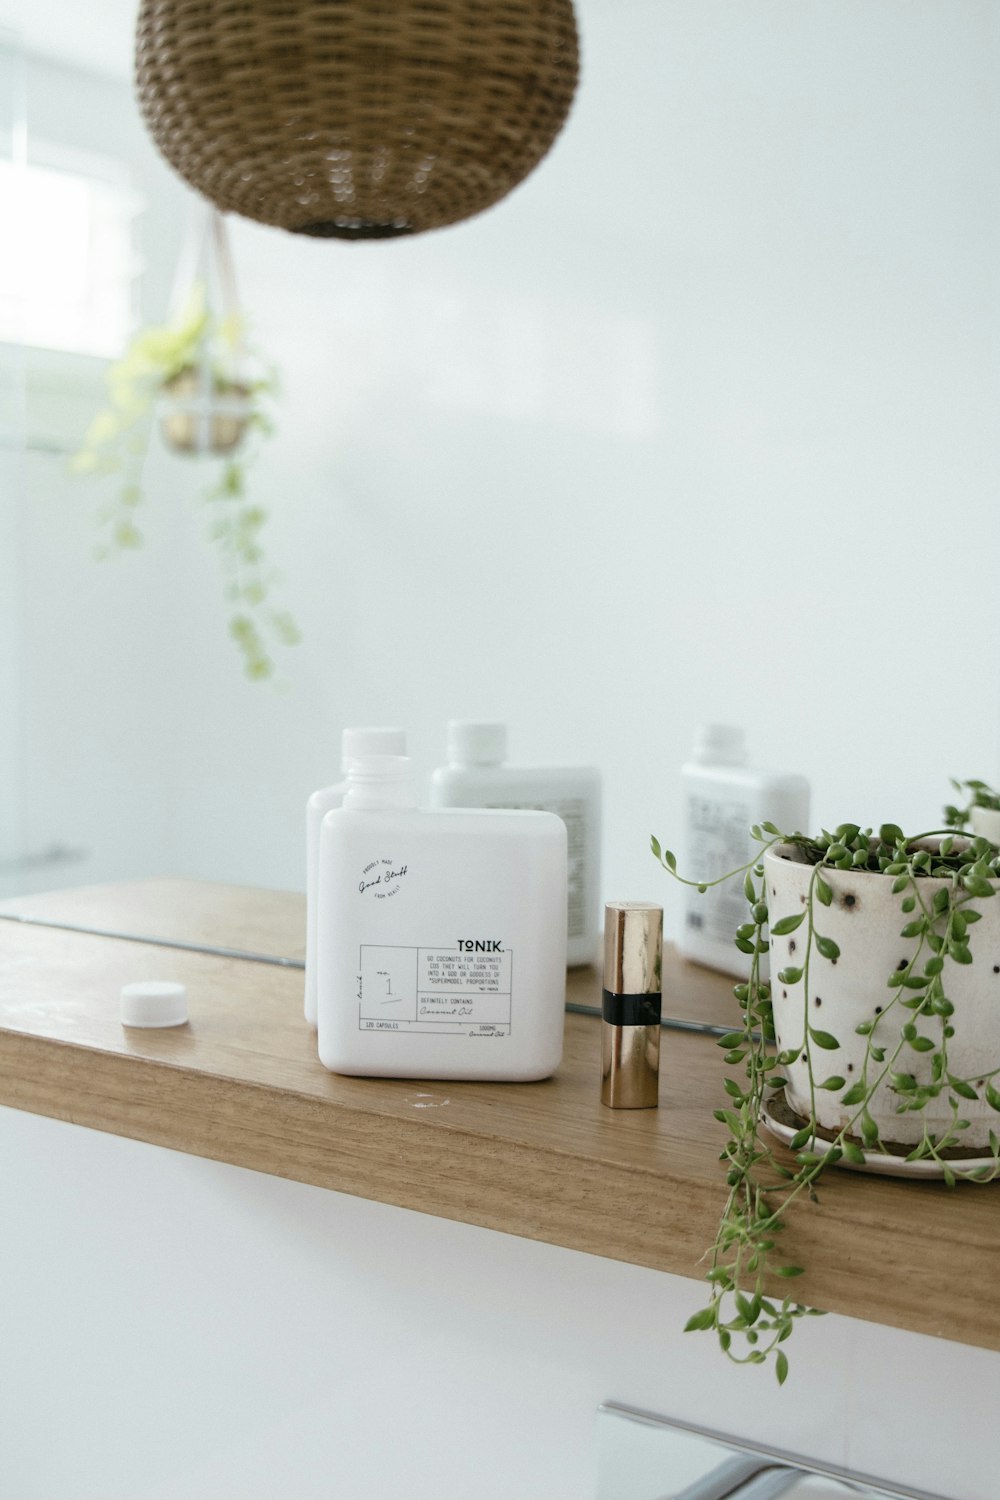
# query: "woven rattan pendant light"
355,119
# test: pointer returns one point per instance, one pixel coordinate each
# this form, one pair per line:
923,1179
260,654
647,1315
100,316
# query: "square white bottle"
441,935
723,797
353,742
477,775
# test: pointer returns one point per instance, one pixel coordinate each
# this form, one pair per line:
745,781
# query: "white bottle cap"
356,743
720,745
473,744
154,1002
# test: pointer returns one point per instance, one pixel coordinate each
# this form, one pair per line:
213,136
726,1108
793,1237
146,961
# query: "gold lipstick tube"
630,1044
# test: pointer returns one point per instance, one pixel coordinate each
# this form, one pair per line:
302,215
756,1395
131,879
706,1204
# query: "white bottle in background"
353,743
723,797
476,776
442,935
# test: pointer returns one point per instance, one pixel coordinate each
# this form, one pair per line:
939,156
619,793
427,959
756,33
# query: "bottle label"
462,990
573,811
718,841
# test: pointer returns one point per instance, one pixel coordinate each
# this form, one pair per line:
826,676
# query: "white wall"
700,422
215,1334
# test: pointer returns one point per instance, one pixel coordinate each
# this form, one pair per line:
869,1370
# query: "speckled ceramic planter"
864,919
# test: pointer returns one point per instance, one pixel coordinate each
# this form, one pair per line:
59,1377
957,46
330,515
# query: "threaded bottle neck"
376,781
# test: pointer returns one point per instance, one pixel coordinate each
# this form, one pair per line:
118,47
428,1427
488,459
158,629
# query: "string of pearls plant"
903,1054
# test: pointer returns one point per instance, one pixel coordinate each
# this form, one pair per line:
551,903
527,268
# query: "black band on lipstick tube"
631,1010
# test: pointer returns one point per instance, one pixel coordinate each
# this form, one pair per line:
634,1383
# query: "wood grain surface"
242,1083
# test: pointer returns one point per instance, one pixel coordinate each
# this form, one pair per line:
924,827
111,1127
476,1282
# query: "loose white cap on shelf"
472,743
154,1002
356,744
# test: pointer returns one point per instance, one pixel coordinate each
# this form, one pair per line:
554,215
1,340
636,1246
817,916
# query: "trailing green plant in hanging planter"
190,375
874,1045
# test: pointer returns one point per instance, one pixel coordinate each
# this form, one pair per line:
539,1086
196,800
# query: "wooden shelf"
242,1084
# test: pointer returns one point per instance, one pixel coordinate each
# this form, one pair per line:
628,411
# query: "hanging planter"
355,119
207,404
204,413
193,379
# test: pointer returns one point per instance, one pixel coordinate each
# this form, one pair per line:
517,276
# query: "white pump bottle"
477,775
723,797
353,743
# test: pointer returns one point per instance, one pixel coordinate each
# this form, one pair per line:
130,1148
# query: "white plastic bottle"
476,775
353,743
442,935
723,797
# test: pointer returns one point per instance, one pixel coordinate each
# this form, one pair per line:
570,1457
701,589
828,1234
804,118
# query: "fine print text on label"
573,811
464,990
